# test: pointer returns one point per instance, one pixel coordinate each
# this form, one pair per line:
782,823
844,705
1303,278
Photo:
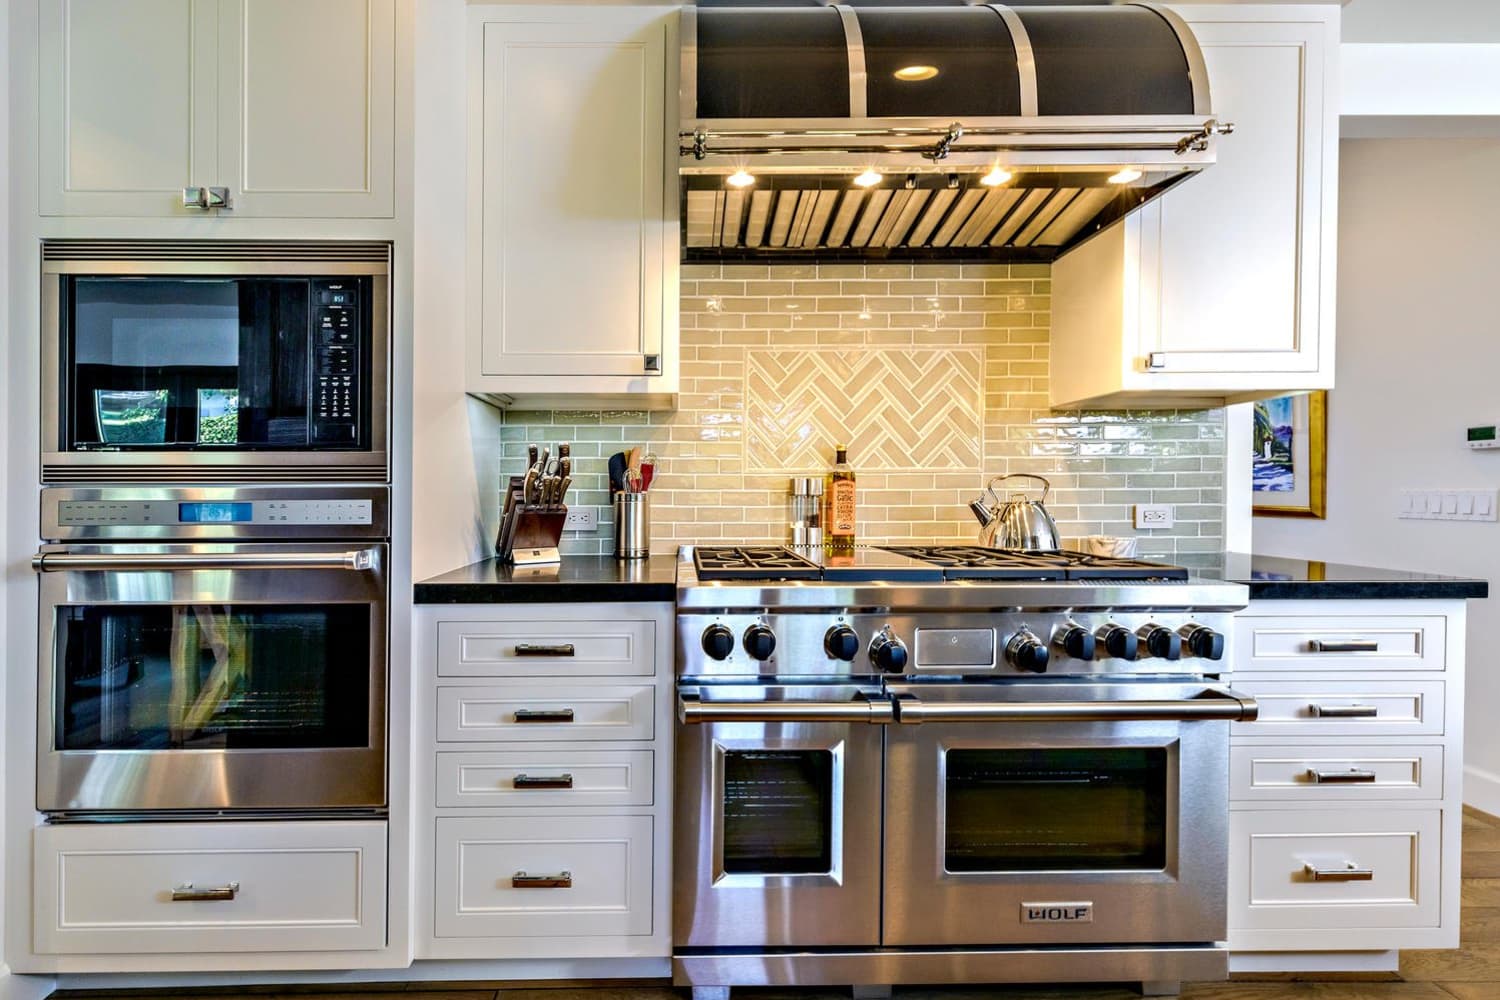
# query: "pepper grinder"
807,510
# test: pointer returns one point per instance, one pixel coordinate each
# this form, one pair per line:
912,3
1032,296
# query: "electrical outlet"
582,519
1154,515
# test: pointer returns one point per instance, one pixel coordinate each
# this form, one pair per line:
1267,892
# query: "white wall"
1422,21
1419,357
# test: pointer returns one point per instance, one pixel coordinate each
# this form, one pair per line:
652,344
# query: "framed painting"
1290,456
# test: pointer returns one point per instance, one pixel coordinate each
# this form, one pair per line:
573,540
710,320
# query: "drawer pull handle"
1343,645
1344,711
533,649
562,880
187,893
544,715
1349,873
1353,776
542,781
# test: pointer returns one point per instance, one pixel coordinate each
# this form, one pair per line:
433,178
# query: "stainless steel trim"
895,966
1211,706
534,649
963,595
1353,776
188,893
356,560
1025,57
1343,645
215,250
859,80
562,880
543,715
1197,67
1349,873
691,709
687,85
1343,711
542,781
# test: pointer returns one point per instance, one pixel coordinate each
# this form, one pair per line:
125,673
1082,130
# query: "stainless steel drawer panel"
1315,642
545,778
1335,773
545,713
547,649
1299,709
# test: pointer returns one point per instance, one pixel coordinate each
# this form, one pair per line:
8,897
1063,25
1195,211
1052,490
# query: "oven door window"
1093,809
778,812
247,677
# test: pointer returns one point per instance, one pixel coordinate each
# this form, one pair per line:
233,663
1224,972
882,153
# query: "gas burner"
752,562
974,562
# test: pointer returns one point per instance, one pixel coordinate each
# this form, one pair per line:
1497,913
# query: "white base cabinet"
1346,794
545,830
1221,290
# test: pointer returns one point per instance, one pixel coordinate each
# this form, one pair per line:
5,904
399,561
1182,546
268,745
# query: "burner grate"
975,562
752,562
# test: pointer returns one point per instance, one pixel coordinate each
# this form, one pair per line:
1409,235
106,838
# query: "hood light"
1125,176
741,178
914,74
998,175
869,178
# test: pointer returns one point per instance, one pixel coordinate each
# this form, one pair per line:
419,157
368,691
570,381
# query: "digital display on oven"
213,513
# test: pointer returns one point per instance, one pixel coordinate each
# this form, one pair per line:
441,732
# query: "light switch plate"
582,519
1448,505
1155,515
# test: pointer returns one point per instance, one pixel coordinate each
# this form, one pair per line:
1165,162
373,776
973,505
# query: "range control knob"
760,642
1119,641
718,642
1161,642
841,643
1202,641
888,653
1076,641
1026,652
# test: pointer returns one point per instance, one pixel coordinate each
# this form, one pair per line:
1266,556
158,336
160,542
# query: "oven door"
1058,813
777,839
211,677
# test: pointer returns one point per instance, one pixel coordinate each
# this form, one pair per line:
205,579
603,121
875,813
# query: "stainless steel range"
949,764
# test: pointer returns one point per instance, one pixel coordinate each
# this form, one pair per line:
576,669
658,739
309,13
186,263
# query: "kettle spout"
982,513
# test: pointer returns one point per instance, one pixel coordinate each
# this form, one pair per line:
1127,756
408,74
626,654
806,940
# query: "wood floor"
1471,972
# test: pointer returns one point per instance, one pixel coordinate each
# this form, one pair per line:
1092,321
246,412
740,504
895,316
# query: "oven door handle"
356,560
1224,705
692,709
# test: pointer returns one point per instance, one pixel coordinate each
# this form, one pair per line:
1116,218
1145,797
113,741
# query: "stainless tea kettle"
1017,523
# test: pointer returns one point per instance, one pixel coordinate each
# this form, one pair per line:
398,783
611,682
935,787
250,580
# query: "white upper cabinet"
288,104
572,205
1222,290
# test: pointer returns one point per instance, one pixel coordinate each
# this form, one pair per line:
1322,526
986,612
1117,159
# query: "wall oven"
211,650
221,361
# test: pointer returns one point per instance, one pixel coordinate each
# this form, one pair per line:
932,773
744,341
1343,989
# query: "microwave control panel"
100,513
336,363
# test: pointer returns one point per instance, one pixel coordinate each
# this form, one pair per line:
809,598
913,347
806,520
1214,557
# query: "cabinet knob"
653,363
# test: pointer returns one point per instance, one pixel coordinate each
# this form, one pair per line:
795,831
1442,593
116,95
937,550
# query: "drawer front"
545,778
108,890
1273,856
547,649
1363,643
1343,708
562,714
1335,773
591,876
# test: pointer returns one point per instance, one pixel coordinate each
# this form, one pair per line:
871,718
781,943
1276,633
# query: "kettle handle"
1046,486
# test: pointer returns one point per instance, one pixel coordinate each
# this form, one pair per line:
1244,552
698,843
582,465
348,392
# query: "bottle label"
842,508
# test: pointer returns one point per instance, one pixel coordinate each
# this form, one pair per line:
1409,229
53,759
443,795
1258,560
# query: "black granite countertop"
577,579
1275,578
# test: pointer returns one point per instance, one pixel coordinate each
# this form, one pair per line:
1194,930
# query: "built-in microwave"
215,361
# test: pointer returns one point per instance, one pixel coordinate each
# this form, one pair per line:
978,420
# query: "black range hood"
935,132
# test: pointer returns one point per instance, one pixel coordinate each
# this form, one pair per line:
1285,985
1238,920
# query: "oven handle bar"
357,560
691,709
1217,706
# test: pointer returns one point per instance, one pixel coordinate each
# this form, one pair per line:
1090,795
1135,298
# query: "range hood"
976,132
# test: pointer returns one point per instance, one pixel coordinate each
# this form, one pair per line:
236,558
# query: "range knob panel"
1077,641
760,642
1026,652
840,643
1119,641
718,642
1203,641
888,653
1161,642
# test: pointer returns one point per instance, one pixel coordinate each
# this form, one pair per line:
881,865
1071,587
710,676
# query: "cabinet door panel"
570,187
1241,261
307,107
125,120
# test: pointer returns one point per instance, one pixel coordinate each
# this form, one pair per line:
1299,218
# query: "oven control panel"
336,363
89,513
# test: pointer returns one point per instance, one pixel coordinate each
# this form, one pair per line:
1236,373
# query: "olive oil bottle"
838,503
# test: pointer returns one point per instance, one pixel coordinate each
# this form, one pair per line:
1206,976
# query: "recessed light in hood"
1092,110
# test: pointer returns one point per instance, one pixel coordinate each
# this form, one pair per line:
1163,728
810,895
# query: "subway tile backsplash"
935,375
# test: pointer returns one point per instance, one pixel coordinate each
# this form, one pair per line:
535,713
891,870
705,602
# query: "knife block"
529,535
